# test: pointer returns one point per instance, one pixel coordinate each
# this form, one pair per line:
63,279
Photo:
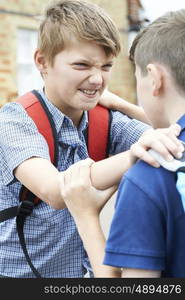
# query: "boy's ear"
156,76
40,61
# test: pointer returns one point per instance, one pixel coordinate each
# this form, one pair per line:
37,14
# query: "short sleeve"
19,140
137,235
124,132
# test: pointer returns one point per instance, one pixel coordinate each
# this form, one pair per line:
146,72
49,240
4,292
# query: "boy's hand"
162,140
81,198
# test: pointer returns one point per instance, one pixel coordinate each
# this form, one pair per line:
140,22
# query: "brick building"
19,22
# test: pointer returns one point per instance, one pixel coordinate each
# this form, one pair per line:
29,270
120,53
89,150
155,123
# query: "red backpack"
98,144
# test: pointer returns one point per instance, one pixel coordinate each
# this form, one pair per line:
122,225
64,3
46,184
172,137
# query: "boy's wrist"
87,223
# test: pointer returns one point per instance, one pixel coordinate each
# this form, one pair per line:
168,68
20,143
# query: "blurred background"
19,21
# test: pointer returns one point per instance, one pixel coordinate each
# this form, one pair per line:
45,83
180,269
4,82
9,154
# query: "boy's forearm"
108,172
140,273
132,110
114,102
94,243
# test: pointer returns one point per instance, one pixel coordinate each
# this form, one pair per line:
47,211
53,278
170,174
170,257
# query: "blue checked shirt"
52,240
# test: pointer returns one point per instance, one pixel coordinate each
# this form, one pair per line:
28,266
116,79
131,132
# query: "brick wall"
122,81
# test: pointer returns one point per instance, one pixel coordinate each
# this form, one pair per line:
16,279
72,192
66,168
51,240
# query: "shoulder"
124,124
15,123
14,115
158,184
124,131
149,173
118,117
13,111
11,107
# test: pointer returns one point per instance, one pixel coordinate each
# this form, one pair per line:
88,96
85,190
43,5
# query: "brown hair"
163,41
77,19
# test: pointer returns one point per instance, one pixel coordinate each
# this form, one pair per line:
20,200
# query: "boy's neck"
74,114
175,109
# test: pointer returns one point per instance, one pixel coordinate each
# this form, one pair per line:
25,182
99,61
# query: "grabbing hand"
81,198
163,140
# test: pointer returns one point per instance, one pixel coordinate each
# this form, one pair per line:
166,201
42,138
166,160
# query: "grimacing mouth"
89,92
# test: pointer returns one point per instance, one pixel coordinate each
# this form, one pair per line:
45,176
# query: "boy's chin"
89,106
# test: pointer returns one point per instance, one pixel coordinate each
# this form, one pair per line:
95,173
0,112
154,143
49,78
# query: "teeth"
89,92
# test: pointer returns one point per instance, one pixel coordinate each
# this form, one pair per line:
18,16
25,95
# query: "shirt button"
74,146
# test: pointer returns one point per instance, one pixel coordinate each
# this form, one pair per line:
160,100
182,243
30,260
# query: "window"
28,77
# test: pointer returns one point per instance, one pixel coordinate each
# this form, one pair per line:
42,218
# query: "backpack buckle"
25,208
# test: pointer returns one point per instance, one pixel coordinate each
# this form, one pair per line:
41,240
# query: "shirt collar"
181,122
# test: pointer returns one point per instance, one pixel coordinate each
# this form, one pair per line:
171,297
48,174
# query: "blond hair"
163,41
77,19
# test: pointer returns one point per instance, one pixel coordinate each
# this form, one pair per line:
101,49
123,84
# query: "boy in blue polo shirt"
146,237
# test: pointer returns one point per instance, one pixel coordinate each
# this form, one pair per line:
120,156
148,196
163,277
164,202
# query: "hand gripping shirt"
52,240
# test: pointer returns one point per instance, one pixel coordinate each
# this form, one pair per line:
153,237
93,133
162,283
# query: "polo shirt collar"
181,122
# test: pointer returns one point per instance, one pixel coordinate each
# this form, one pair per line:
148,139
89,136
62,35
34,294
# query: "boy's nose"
96,79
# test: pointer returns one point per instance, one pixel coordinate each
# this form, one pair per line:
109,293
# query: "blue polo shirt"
148,227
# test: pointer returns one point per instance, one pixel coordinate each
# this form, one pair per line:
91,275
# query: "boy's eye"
81,65
107,67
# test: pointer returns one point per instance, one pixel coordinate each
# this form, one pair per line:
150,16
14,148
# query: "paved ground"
106,214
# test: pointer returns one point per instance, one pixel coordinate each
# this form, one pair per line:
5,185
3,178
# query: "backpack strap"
38,111
98,132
